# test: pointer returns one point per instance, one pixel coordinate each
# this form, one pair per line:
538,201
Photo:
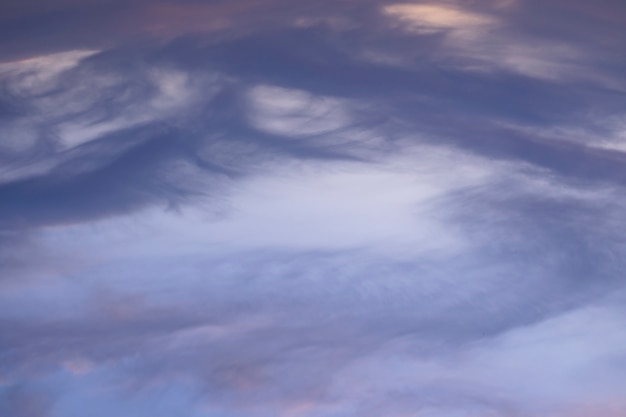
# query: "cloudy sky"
332,208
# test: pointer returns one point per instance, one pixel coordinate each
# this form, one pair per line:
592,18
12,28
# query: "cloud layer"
331,209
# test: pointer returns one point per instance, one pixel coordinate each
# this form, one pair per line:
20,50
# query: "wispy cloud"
487,40
311,210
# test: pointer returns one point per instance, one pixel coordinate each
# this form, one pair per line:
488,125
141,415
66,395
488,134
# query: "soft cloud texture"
312,210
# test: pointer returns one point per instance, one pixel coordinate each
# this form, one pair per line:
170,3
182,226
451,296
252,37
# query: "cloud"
107,140
428,18
299,272
557,345
311,210
37,75
495,38
24,401
296,113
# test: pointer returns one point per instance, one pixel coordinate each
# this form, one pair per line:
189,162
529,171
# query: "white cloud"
482,42
568,360
551,368
38,74
390,206
593,130
295,113
176,91
427,18
75,115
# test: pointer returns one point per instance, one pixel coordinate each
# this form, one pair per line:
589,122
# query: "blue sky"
330,209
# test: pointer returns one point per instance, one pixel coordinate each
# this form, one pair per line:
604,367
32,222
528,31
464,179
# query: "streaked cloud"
489,40
295,113
311,210
428,18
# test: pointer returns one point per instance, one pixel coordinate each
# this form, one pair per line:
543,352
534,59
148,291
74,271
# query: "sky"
338,208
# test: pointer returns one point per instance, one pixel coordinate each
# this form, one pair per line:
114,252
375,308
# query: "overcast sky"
332,208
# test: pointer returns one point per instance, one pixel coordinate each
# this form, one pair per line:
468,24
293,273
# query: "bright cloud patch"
296,113
430,17
482,42
35,75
